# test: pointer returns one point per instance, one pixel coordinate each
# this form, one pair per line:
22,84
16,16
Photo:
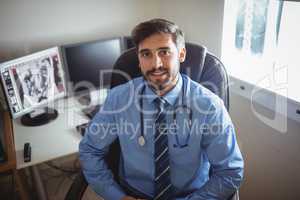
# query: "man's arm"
92,150
224,156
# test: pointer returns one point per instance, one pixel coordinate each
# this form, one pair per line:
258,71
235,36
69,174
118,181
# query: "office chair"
200,66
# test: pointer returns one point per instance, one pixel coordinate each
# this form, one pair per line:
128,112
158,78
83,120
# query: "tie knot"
160,103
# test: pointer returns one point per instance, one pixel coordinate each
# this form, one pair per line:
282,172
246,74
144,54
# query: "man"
163,156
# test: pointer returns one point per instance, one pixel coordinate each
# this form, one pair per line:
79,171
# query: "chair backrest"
200,65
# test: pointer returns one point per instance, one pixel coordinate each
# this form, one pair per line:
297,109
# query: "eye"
165,52
145,54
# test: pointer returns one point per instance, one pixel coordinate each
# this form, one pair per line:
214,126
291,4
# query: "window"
261,49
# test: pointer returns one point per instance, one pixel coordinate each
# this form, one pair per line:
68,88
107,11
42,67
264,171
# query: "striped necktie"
163,186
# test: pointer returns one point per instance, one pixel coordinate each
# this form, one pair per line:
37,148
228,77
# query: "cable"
62,169
49,174
76,164
63,174
59,185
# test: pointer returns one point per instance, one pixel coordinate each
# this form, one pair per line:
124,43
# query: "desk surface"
56,139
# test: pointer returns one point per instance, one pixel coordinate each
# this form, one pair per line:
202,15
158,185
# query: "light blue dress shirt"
208,144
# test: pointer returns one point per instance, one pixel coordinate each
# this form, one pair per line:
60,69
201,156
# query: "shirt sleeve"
100,133
222,150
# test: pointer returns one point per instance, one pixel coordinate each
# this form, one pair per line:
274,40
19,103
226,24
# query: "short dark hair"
154,26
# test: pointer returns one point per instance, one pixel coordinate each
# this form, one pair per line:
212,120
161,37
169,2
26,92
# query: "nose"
156,61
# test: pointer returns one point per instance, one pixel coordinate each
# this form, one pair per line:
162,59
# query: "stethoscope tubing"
141,139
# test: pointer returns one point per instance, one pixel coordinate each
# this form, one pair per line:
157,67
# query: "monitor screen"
32,81
90,64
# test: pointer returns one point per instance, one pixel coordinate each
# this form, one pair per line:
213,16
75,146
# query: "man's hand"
130,198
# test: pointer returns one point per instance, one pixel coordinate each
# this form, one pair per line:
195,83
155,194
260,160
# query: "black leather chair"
200,65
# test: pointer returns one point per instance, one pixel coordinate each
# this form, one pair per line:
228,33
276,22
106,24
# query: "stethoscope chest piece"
141,141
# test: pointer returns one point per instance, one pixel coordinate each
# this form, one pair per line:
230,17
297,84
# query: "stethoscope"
183,107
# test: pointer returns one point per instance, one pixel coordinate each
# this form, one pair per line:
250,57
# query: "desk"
54,140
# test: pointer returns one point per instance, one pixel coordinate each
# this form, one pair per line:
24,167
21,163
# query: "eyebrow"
160,48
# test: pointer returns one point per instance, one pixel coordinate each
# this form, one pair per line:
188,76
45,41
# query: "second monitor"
90,64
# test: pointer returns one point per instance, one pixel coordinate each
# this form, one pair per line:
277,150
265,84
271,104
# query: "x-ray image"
251,25
36,81
33,81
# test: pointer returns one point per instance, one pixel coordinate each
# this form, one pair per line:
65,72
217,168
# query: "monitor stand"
38,118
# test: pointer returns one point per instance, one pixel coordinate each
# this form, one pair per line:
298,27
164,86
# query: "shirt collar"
170,96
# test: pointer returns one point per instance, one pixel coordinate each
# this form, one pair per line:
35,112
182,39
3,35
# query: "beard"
165,79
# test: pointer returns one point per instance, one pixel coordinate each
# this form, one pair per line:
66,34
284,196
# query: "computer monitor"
31,83
128,42
90,64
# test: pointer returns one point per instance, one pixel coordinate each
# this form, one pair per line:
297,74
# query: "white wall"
31,25
201,20
272,158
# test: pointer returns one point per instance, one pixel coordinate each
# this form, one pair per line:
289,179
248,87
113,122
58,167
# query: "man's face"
160,60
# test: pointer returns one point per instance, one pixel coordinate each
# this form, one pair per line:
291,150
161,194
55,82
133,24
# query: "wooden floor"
57,180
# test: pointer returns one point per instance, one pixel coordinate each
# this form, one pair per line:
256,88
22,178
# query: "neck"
162,92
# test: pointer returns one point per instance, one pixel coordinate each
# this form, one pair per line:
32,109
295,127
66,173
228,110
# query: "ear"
182,54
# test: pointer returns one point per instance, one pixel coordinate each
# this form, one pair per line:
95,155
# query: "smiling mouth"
158,73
